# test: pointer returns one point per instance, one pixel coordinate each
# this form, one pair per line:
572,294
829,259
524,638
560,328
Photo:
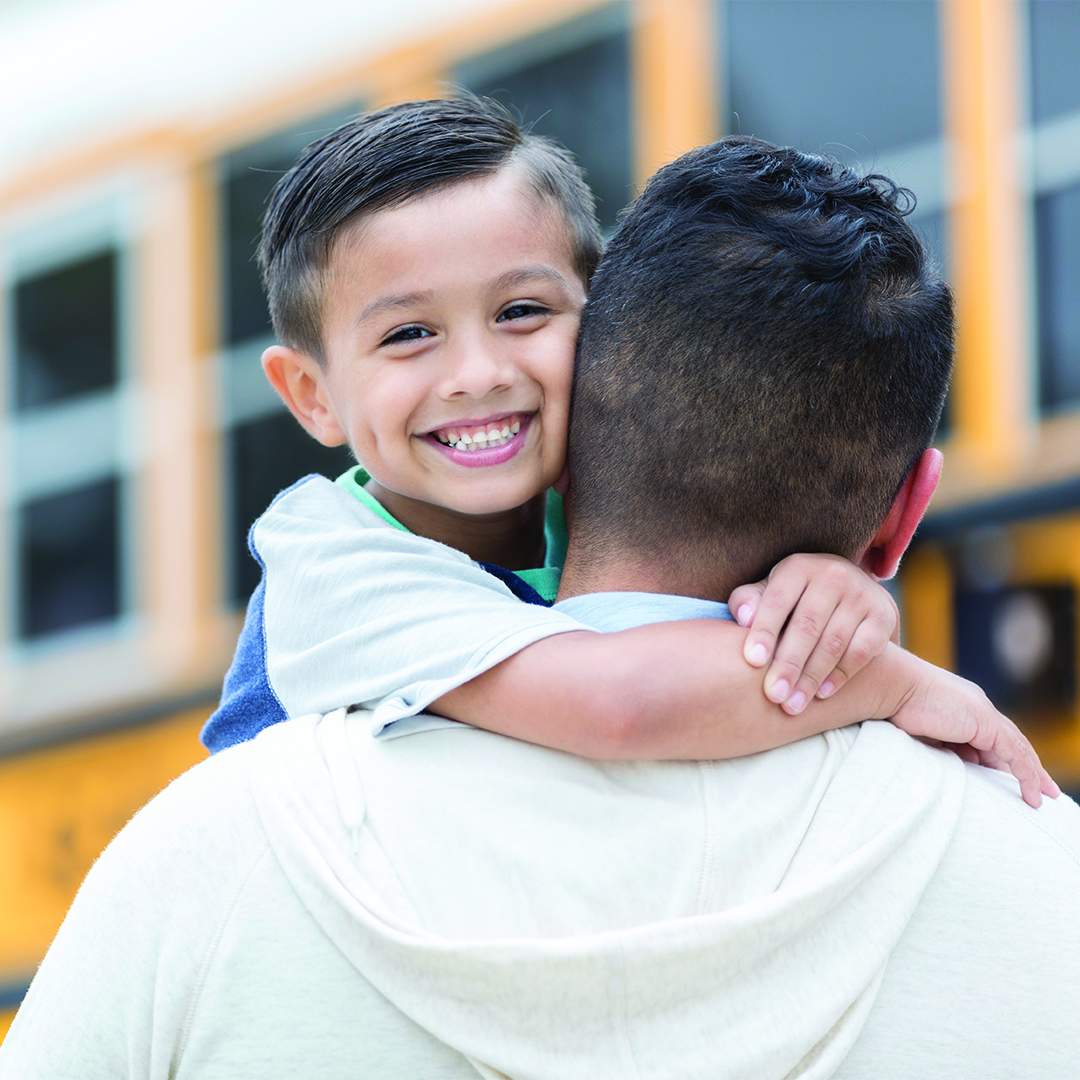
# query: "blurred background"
138,142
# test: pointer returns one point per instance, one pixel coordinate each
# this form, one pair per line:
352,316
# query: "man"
764,347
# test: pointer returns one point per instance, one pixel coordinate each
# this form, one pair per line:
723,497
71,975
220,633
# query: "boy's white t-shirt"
354,610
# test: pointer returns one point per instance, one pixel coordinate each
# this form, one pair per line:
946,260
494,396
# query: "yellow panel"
1045,552
926,589
1048,553
674,80
60,806
994,430
6,1016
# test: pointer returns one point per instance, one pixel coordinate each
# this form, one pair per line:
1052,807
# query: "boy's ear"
301,383
882,555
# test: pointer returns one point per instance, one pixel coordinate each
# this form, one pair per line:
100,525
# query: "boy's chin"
492,504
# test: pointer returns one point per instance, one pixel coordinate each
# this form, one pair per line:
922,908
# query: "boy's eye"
521,311
406,333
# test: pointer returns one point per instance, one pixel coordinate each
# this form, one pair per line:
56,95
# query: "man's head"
383,159
762,362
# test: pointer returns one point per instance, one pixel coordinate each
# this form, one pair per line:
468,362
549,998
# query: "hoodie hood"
556,918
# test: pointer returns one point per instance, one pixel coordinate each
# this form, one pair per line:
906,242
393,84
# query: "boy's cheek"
554,453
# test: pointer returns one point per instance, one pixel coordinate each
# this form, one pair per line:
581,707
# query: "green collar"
544,579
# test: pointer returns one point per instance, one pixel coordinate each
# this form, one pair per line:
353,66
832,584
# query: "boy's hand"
948,711
838,618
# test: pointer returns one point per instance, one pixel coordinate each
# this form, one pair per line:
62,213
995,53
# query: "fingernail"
758,655
744,615
797,701
826,688
779,691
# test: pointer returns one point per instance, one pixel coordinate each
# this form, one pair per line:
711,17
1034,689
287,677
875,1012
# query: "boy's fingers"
1010,744
774,606
1049,785
1031,790
826,661
743,602
812,645
867,641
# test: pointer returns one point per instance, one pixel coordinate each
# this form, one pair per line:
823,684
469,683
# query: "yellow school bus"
140,439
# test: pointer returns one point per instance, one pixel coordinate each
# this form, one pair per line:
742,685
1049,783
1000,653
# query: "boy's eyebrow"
527,274
386,303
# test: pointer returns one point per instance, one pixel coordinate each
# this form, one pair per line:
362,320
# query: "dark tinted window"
248,176
932,231
581,97
1019,645
1057,234
66,331
268,455
69,559
843,76
1055,45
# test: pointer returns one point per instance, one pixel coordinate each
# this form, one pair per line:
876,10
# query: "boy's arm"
352,611
355,612
645,694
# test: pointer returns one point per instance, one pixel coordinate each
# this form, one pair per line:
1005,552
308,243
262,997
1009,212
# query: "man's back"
553,858
423,920
985,980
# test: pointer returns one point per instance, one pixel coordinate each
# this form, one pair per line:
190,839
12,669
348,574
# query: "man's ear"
882,555
300,382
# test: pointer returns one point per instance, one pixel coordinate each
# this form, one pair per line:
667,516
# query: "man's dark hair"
763,356
384,158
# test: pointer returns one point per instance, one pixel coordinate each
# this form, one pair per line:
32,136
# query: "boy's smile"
470,439
449,325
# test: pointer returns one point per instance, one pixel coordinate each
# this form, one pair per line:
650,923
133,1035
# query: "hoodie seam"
1006,800
211,956
707,872
624,1018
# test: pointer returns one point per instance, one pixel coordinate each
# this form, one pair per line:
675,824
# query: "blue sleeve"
248,702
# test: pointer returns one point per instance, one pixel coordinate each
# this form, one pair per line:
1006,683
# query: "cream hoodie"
551,917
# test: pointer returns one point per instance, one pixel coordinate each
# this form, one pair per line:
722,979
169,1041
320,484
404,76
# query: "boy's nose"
476,369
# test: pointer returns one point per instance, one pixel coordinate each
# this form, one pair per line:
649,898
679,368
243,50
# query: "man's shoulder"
995,812
204,813
983,982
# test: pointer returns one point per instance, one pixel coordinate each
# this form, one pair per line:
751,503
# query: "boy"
426,268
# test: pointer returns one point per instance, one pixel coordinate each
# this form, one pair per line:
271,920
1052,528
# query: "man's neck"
625,571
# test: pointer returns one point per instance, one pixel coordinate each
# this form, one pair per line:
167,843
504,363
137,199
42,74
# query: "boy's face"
450,324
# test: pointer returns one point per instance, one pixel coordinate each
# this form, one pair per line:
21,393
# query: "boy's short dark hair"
384,158
763,356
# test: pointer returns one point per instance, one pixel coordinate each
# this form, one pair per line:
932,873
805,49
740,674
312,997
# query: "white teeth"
479,440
